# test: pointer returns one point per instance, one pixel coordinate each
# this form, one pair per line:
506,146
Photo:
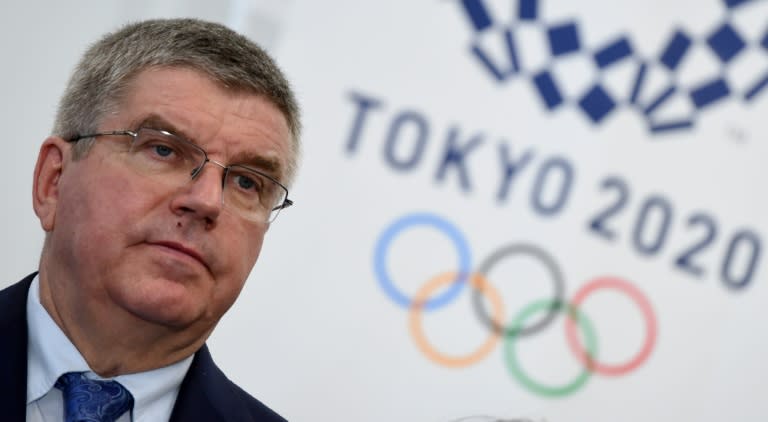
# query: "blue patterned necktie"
87,400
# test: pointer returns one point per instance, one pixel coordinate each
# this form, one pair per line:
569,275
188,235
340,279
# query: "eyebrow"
155,121
258,162
244,158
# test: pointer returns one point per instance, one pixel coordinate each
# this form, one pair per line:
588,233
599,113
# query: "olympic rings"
554,271
514,368
429,220
650,325
418,334
479,281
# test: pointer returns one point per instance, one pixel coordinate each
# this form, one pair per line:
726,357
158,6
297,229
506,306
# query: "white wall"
316,336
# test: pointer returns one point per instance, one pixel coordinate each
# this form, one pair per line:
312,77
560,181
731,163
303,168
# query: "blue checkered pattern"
723,41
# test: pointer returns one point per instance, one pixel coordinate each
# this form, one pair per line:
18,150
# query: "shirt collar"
51,354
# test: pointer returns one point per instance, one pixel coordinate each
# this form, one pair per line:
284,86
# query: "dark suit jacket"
205,395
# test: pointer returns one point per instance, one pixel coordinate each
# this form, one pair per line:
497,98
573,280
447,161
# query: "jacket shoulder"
13,349
258,410
207,394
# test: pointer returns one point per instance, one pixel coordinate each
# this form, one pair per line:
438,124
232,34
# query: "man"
172,149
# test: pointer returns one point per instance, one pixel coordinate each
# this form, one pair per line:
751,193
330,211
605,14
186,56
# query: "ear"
45,185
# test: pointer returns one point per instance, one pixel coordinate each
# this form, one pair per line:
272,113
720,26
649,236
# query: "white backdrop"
582,139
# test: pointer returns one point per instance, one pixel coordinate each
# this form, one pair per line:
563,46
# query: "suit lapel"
207,395
13,350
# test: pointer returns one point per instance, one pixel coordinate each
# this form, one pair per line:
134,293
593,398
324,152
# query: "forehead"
234,127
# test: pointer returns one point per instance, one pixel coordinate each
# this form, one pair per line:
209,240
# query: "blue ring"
424,219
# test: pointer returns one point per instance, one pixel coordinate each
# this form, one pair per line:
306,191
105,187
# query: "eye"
162,150
246,182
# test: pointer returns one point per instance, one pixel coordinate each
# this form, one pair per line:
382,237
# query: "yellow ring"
477,281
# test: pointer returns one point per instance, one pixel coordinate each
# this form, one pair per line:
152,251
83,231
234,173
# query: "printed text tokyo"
733,257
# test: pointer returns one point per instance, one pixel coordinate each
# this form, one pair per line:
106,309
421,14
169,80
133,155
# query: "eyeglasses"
174,161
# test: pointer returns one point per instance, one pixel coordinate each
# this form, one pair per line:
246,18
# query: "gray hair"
100,80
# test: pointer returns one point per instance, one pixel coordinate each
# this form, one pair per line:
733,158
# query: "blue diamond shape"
764,41
675,50
613,53
708,93
726,43
548,90
563,39
597,103
731,4
528,10
478,14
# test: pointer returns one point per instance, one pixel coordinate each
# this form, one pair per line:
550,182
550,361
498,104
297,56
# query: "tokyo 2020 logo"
726,48
581,336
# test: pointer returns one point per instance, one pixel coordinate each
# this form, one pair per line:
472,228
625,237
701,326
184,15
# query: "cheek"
242,253
247,252
95,213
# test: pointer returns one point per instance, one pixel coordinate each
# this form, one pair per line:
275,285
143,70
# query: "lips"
183,249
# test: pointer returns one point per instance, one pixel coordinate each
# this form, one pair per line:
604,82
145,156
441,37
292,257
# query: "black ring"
557,276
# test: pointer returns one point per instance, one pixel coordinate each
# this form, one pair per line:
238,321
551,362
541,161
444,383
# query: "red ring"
650,322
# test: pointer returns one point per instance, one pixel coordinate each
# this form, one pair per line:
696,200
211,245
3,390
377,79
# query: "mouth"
178,247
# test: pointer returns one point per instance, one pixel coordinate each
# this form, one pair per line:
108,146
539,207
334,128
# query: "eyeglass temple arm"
287,203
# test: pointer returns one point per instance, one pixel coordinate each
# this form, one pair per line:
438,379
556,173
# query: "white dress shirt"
51,354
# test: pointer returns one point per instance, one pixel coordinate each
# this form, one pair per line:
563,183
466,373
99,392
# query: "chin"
175,316
166,303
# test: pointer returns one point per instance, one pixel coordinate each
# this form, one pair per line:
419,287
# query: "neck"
113,341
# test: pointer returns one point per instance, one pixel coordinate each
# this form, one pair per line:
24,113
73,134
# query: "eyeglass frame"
135,133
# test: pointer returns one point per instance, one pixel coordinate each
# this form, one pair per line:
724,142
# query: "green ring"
522,377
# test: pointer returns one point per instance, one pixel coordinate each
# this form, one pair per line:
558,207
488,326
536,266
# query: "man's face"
123,240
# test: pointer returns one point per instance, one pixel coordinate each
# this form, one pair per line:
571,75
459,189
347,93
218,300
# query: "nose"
201,197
